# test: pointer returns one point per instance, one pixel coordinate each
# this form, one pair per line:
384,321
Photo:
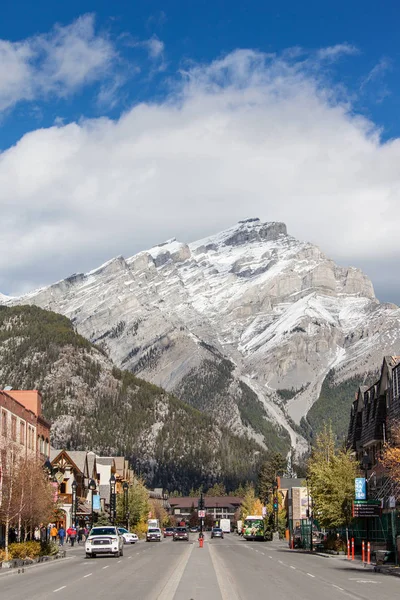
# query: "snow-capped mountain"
230,321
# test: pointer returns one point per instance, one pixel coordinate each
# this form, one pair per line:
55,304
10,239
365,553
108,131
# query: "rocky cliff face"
233,323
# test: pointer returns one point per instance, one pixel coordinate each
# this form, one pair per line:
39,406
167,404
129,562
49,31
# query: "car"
193,529
153,534
104,540
129,538
168,531
217,532
181,533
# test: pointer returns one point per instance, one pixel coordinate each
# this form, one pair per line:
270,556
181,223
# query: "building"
22,422
220,507
69,467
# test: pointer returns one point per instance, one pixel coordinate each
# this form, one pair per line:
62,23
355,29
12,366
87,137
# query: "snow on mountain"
277,309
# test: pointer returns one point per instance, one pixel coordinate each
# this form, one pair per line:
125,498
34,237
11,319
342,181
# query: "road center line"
225,583
106,567
337,587
270,557
60,588
168,592
88,575
310,575
292,567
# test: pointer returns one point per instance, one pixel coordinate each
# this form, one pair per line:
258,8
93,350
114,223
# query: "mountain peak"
244,232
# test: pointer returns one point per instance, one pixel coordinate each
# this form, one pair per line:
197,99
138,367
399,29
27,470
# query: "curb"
17,570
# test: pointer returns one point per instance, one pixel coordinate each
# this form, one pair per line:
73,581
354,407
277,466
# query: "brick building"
21,421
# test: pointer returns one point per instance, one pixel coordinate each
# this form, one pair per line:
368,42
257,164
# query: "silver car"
104,540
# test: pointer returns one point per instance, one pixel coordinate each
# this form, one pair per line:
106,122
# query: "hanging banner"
360,488
96,502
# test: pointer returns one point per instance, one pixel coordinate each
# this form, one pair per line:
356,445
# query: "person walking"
81,534
72,535
61,535
53,533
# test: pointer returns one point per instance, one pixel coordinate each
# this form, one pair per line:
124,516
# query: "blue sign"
96,502
360,488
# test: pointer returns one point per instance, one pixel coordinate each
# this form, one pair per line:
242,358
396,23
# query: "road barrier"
363,551
352,549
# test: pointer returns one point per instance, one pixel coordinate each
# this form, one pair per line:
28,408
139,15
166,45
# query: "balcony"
65,498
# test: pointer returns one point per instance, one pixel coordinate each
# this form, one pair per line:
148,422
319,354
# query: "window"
22,433
4,422
14,428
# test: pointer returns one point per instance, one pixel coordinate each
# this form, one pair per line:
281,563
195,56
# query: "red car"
168,532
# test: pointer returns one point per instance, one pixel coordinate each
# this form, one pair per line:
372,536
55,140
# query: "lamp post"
366,465
92,487
112,499
125,487
275,505
74,485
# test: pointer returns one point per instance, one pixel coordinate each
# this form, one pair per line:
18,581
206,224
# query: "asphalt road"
228,569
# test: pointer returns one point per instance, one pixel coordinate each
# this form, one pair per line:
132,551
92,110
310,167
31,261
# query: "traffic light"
276,503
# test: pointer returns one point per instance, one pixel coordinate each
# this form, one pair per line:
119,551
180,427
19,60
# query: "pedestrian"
86,533
53,533
81,533
72,535
36,534
61,535
43,534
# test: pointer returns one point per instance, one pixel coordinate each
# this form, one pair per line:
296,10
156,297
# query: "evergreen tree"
270,469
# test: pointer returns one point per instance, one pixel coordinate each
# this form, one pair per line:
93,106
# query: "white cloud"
247,135
333,52
59,62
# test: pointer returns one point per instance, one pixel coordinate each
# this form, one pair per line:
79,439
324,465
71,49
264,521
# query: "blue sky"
79,79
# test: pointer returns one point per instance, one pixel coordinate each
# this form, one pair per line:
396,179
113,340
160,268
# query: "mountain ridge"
277,309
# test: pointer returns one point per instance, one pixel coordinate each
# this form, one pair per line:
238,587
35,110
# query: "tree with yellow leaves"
390,459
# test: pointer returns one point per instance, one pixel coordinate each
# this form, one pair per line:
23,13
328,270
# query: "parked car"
217,532
104,540
129,538
181,533
168,531
153,534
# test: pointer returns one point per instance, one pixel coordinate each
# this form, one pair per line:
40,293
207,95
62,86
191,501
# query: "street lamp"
74,485
125,487
92,487
112,499
275,505
366,465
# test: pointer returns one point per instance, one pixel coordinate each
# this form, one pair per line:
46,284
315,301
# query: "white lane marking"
270,557
168,591
118,561
282,563
263,553
131,556
106,567
226,585
61,588
310,575
292,567
88,575
337,587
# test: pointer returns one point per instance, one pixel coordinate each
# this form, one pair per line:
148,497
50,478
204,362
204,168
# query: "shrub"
2,555
24,550
333,542
141,529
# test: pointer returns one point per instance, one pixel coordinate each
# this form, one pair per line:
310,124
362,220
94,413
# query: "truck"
254,528
239,525
225,525
153,523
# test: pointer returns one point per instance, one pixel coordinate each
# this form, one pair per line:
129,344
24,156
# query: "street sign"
201,514
360,488
366,508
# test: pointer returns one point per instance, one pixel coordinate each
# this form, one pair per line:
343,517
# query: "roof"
105,460
79,458
286,483
209,501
